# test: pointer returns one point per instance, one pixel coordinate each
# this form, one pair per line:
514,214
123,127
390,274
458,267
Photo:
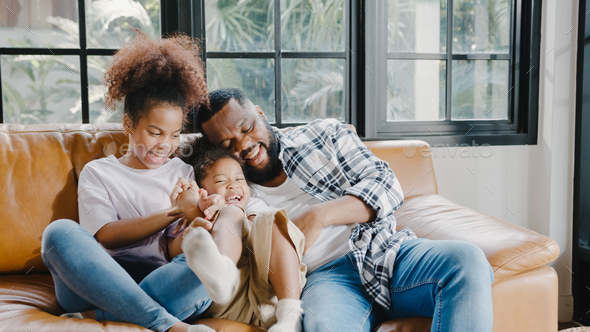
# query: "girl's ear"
127,124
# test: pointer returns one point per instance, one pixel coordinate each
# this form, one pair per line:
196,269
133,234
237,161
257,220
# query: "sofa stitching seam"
543,246
526,271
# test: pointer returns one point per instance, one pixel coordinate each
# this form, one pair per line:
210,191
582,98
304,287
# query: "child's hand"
198,222
181,185
210,204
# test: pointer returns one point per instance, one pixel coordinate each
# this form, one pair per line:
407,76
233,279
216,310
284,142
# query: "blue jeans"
86,277
449,281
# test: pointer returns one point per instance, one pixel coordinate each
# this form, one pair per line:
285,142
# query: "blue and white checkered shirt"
327,160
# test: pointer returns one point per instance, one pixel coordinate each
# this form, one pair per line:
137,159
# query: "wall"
531,186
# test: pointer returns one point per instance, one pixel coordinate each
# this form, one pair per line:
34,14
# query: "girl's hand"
181,185
182,223
210,204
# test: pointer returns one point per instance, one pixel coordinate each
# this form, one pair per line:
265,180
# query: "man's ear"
259,110
127,124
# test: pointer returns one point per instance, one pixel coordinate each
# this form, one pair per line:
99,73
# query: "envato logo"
111,149
464,150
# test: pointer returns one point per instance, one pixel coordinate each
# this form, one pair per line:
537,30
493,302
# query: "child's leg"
227,235
284,277
213,257
284,265
87,277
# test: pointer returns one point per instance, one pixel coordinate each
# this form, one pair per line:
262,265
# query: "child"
267,250
123,202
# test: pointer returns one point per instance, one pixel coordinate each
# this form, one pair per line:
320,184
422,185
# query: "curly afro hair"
201,154
148,72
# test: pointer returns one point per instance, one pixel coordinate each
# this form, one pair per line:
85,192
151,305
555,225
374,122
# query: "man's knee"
469,261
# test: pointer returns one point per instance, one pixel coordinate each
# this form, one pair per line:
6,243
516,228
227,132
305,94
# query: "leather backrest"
38,177
41,165
411,161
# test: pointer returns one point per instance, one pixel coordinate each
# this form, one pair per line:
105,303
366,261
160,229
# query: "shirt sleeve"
371,178
94,206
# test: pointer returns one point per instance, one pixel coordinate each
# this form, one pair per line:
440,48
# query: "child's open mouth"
233,199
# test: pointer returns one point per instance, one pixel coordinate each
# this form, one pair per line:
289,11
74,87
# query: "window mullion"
83,61
449,68
278,69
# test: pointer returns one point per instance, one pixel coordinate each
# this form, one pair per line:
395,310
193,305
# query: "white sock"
289,316
200,328
217,272
72,315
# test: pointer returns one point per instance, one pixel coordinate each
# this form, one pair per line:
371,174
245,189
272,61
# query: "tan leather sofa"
40,166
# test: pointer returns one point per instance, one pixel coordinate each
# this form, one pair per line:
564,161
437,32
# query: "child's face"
226,178
155,137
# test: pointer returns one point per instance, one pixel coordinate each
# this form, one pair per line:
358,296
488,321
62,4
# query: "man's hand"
310,224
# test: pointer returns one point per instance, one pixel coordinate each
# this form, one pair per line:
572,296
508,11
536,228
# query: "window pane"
480,89
416,90
45,23
417,26
314,89
481,26
312,25
255,76
108,22
240,26
41,89
99,113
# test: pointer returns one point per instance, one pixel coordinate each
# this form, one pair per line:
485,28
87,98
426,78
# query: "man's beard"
274,166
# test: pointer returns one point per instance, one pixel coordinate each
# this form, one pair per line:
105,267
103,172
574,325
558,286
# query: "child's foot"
200,328
72,315
289,316
217,272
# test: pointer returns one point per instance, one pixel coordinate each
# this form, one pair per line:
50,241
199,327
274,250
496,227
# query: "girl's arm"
125,232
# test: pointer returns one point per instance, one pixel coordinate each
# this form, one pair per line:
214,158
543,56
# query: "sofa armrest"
510,249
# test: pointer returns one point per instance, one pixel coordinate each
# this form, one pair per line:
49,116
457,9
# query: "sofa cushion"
510,249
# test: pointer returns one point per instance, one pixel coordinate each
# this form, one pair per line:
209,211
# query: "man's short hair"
217,100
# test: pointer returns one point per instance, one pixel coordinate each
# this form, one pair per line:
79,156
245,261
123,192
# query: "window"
54,55
457,70
446,71
290,56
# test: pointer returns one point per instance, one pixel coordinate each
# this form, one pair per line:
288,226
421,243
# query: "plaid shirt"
327,160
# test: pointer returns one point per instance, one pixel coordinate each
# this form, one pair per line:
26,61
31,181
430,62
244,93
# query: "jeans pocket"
352,261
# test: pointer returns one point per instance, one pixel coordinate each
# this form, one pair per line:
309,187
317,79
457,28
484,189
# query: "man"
343,198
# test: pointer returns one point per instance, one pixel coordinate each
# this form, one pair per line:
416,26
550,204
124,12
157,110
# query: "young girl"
266,250
123,202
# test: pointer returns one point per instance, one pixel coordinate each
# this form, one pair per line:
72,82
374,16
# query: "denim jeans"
86,277
449,281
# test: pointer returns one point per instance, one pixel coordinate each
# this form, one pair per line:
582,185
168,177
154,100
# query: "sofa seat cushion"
510,249
29,302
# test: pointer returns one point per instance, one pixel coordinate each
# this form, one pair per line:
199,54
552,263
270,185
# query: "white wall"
530,185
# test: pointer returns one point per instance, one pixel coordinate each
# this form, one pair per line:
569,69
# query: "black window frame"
365,90
519,129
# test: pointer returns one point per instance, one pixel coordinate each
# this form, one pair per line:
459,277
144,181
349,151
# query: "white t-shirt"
333,241
110,191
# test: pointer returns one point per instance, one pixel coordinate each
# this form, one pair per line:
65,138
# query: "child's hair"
202,155
148,72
